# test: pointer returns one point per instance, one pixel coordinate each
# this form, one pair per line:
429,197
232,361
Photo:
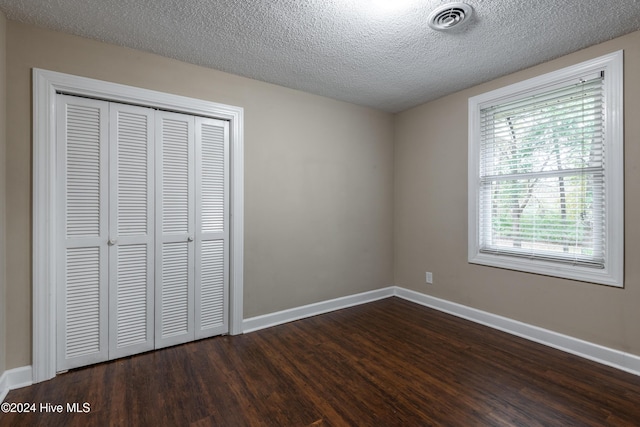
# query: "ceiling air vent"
450,16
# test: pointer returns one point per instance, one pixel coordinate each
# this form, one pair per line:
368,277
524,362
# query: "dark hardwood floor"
387,363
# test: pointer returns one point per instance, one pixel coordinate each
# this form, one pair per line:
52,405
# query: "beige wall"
3,140
318,177
323,183
431,220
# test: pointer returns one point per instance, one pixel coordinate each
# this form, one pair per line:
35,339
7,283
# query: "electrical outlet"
429,277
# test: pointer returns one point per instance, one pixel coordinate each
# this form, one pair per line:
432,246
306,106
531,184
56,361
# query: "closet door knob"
190,239
111,242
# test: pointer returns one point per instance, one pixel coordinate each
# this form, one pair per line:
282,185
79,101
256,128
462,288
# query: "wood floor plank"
386,363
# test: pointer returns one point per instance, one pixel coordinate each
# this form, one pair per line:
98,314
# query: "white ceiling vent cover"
449,16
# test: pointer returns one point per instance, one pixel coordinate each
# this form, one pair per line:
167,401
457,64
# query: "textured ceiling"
378,53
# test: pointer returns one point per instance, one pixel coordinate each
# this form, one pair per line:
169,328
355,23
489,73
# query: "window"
546,174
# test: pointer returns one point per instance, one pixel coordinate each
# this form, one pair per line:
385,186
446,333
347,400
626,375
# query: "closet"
142,229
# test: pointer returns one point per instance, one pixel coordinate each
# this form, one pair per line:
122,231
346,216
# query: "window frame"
613,272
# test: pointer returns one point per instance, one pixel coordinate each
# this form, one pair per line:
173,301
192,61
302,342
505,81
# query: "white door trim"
45,86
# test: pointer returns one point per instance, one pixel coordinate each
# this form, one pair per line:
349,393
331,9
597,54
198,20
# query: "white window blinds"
542,178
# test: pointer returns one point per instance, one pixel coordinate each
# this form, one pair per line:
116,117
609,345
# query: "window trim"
613,273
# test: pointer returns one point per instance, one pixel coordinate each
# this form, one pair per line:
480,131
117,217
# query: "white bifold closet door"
212,228
175,215
105,292
131,230
142,229
83,232
192,233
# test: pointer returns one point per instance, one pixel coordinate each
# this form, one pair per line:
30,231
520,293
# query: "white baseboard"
607,356
23,376
285,316
15,378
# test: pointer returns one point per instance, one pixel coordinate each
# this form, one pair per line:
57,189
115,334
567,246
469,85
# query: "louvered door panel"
131,326
84,183
176,150
212,186
211,313
132,152
175,216
212,173
82,161
83,303
131,280
175,289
